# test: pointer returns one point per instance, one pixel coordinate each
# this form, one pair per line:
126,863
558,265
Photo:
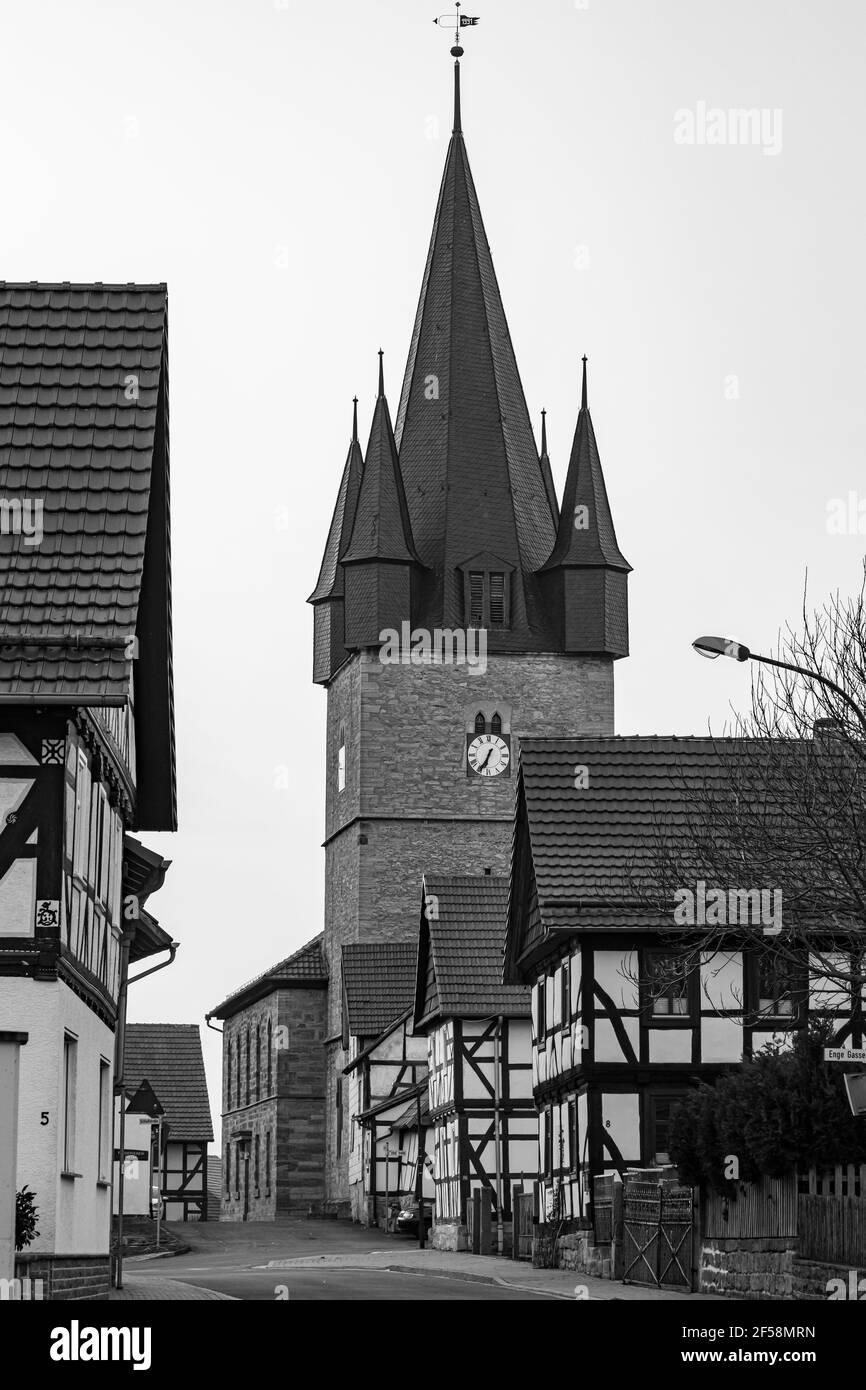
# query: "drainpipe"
497,1122
126,941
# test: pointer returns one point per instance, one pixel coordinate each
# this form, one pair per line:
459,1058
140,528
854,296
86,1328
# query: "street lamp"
712,647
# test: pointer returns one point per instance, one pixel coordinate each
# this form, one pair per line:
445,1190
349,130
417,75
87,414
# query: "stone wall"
761,1268
449,1235
577,1252
62,1277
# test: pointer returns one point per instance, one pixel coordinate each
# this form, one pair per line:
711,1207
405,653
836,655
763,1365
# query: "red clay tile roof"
169,1056
378,983
307,967
461,951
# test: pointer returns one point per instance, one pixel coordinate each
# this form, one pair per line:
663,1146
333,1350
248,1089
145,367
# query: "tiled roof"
307,967
169,1056
378,983
83,432
593,847
460,958
468,455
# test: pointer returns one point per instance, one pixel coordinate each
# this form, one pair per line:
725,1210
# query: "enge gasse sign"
845,1054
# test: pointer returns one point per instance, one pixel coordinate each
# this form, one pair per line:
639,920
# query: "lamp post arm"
815,676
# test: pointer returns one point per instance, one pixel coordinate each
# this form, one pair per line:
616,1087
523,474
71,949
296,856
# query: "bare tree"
781,811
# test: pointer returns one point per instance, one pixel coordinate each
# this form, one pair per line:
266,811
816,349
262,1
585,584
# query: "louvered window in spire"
476,600
497,600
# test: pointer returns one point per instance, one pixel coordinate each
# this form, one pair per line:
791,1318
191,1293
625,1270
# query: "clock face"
488,755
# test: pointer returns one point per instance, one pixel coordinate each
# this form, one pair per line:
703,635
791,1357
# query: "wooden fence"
832,1230
845,1180
764,1209
602,1208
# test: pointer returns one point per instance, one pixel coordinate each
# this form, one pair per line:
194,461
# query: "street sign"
856,1087
845,1054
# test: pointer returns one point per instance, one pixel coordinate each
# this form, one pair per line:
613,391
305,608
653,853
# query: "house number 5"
44,1120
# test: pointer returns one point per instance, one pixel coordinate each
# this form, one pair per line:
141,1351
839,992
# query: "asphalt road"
333,1285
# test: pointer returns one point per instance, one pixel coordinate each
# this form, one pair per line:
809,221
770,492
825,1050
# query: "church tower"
456,611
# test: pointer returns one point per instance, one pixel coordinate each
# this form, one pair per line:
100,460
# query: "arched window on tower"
249,1037
496,723
258,1091
480,725
238,1101
270,1055
229,1077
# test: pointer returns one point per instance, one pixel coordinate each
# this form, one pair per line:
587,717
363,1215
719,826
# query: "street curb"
465,1276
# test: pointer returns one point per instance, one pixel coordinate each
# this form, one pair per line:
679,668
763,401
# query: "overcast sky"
278,166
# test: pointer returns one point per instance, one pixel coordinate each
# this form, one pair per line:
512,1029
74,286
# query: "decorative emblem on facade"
53,751
48,912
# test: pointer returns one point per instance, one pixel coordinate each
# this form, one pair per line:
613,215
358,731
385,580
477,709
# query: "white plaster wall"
721,1039
670,1045
608,1047
620,1116
616,972
73,1213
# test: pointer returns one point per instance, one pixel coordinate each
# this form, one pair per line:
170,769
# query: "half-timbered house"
479,1055
386,1067
169,1057
86,725
621,1028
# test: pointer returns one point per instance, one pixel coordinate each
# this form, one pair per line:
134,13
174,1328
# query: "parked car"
407,1217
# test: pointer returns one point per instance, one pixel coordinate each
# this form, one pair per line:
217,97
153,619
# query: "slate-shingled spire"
587,572
329,649
467,450
547,471
380,558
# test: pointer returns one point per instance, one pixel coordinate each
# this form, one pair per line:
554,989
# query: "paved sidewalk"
138,1289
490,1269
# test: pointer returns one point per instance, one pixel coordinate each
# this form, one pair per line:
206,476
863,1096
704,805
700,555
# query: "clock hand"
481,766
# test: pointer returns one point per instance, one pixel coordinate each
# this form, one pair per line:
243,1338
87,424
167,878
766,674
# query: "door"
657,1234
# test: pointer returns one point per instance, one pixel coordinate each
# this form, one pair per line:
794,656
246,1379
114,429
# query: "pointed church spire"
592,568
381,530
355,420
328,595
468,453
547,472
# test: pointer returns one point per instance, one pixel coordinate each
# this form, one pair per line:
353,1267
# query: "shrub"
26,1212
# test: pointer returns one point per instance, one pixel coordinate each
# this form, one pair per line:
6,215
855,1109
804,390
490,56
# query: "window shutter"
476,599
497,600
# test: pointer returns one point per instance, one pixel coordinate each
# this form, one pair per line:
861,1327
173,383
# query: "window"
341,761
565,984
257,1095
572,1134
248,1063
256,1162
229,1077
661,1109
103,1162
776,987
668,981
542,1010
548,1143
496,724
270,1054
237,1169
70,1067
339,1106
238,1101
480,725
228,1172
268,1164
486,598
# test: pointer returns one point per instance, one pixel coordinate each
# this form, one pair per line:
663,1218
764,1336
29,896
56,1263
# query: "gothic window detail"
480,726
248,1064
229,1077
270,1057
258,1079
238,1101
496,724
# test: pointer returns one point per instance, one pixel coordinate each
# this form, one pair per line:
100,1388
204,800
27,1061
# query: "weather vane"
460,21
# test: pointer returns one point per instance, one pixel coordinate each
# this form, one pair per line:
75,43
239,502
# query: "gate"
657,1234
524,1216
